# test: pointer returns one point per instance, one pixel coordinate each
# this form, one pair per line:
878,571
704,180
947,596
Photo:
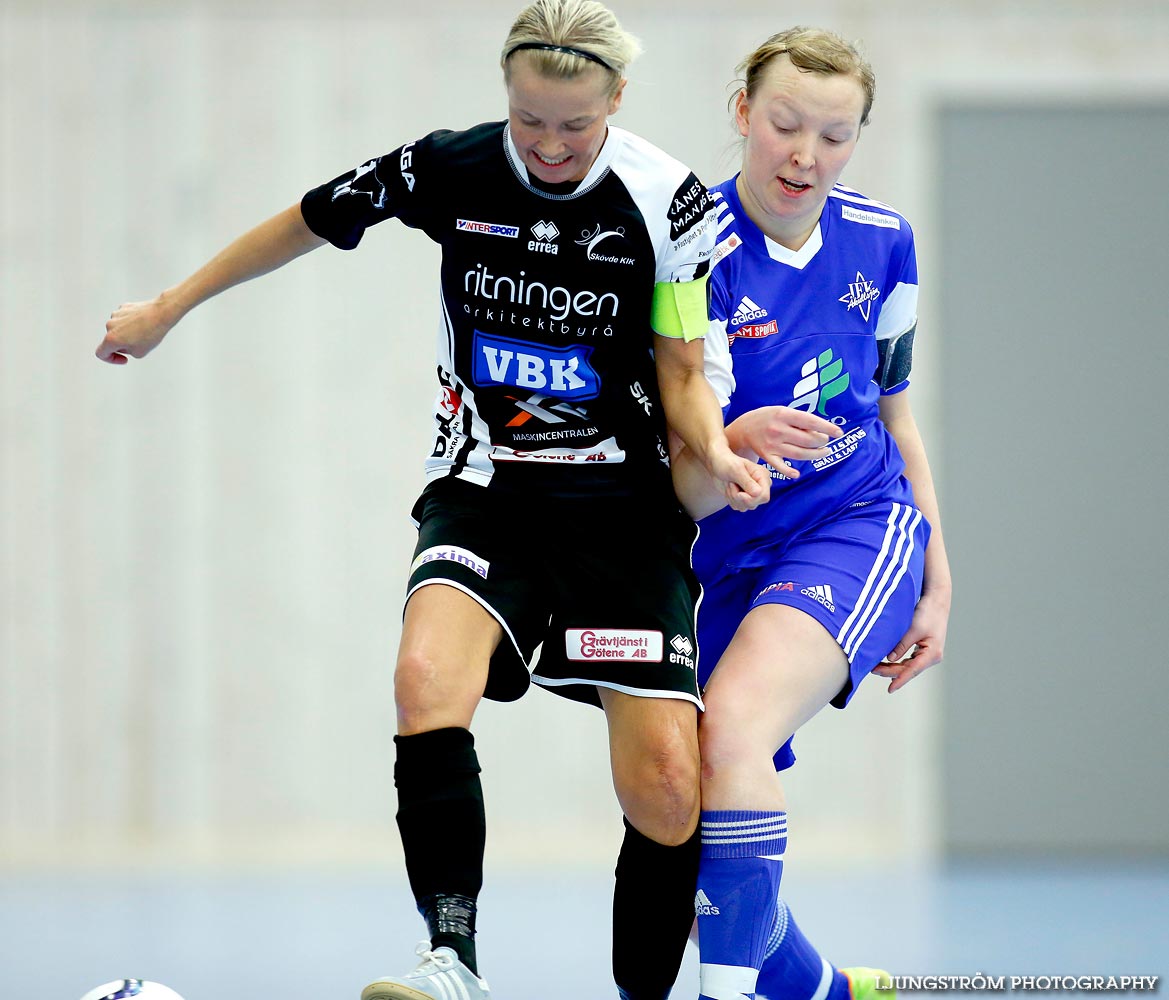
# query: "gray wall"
1053,296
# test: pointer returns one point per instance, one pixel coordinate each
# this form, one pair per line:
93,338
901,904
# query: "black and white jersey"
545,364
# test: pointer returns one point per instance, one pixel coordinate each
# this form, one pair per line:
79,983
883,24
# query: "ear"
615,103
742,113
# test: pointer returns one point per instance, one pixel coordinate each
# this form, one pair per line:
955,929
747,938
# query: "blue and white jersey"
812,329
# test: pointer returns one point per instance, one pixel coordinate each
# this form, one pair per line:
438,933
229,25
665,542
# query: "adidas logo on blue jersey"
821,595
747,311
703,906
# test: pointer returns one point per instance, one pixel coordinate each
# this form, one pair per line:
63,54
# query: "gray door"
1054,291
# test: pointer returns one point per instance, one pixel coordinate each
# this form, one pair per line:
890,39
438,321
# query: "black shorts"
603,587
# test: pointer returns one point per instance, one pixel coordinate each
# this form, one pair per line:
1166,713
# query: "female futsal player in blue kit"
843,572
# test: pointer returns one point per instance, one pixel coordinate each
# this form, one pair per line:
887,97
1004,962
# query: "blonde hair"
587,29
813,50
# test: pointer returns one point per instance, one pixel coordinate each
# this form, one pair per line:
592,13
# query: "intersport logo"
487,228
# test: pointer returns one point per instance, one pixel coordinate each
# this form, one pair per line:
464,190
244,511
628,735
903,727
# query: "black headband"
560,48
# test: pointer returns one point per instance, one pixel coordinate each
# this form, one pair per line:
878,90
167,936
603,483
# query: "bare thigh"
443,658
779,670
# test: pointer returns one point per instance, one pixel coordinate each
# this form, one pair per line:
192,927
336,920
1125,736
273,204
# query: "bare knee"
430,695
653,744
722,745
738,769
659,793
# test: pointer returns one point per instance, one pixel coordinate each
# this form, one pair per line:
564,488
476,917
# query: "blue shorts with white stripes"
859,575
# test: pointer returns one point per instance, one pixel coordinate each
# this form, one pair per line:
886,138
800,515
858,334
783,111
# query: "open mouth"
794,187
552,163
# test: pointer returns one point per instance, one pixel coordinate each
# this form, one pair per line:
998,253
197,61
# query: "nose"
803,154
549,146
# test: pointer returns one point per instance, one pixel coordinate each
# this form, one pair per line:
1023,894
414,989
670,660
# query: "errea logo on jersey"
545,233
683,651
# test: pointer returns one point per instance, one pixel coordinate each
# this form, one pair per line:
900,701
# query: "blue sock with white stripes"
738,888
793,969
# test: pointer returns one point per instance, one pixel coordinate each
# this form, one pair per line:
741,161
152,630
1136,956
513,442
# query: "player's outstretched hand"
777,433
924,642
133,330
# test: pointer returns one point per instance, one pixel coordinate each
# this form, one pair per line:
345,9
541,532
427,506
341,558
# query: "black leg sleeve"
653,911
443,827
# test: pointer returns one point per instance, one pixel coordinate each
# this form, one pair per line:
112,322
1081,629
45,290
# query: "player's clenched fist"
134,330
742,499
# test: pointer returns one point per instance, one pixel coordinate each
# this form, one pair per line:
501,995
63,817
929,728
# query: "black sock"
443,827
653,911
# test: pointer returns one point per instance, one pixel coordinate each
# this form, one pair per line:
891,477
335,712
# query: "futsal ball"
138,989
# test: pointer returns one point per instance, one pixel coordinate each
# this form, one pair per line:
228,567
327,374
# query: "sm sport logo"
564,372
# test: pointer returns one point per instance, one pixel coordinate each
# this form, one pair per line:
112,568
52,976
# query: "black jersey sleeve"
388,186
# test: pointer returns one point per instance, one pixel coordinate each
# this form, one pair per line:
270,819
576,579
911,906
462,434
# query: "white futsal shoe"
440,976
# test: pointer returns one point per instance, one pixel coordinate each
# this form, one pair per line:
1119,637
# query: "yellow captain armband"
680,309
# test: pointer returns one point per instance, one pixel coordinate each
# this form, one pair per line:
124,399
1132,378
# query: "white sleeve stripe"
717,361
899,311
845,194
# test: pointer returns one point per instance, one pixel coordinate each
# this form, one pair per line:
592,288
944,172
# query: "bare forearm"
696,431
696,489
268,246
137,328
693,414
